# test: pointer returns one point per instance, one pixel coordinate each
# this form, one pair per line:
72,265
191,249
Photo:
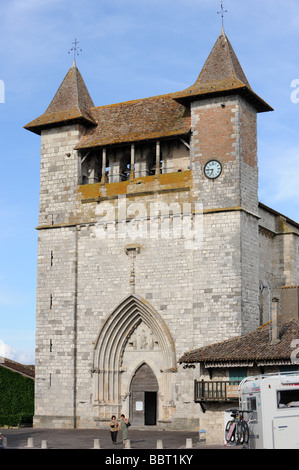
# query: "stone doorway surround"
133,336
143,397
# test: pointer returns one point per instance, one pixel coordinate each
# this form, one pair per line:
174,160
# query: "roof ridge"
23,369
76,78
221,63
72,86
259,347
232,56
137,100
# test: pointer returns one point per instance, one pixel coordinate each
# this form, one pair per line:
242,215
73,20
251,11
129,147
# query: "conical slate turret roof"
72,102
222,74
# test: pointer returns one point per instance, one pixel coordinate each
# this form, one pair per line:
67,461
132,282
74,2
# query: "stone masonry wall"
203,294
59,175
55,324
225,129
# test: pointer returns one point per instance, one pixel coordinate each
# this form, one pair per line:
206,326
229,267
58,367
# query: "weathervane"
222,12
75,49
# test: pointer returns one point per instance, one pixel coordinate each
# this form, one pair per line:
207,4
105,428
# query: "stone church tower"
148,244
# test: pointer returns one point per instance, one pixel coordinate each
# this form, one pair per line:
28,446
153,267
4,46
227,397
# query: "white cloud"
6,351
9,352
24,358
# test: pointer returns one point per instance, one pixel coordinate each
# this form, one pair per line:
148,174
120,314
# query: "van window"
251,404
251,408
288,399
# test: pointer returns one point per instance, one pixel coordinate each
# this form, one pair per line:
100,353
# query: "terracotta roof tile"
252,346
149,118
71,102
222,73
27,371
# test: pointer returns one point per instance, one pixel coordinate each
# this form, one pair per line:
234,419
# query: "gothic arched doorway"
144,397
134,334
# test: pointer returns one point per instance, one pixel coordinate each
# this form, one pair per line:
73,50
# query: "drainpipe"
275,328
262,287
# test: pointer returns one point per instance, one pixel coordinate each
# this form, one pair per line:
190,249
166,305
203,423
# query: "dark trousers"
113,436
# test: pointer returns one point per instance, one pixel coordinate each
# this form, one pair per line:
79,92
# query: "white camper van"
272,403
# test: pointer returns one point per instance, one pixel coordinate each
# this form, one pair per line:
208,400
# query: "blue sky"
130,49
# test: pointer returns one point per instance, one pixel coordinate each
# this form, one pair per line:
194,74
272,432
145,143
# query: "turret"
61,128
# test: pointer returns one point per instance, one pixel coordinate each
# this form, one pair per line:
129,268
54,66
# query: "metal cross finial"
75,49
222,12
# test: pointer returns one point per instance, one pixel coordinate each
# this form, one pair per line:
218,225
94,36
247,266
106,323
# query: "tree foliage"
16,398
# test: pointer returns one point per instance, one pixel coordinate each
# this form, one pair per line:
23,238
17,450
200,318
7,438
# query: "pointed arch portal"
113,342
144,397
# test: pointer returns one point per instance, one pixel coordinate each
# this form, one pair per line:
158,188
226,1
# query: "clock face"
213,169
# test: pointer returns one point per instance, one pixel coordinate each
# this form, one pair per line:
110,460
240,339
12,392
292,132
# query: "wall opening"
144,397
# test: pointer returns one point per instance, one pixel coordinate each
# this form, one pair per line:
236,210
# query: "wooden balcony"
215,391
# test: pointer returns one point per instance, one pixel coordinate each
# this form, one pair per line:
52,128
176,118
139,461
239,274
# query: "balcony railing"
215,391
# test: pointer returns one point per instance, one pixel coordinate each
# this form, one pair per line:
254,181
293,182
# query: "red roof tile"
72,102
252,346
222,74
27,371
149,118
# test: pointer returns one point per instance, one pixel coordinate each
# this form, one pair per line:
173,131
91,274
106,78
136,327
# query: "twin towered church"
151,242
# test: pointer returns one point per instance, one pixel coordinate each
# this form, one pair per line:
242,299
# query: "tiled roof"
72,102
149,118
222,74
27,371
254,346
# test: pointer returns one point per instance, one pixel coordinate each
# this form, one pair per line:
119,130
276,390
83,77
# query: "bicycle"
237,429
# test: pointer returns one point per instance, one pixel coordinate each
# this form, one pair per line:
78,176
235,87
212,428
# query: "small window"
251,409
237,374
251,404
289,368
288,399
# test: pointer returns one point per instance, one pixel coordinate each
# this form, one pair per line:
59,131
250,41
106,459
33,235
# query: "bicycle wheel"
226,431
239,433
246,432
230,430
242,433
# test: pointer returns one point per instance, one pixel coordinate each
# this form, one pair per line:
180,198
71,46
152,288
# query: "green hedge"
16,398
16,420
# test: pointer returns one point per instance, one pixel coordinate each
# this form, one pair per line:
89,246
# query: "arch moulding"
111,344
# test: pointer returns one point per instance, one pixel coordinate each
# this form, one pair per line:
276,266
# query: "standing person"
124,424
114,427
